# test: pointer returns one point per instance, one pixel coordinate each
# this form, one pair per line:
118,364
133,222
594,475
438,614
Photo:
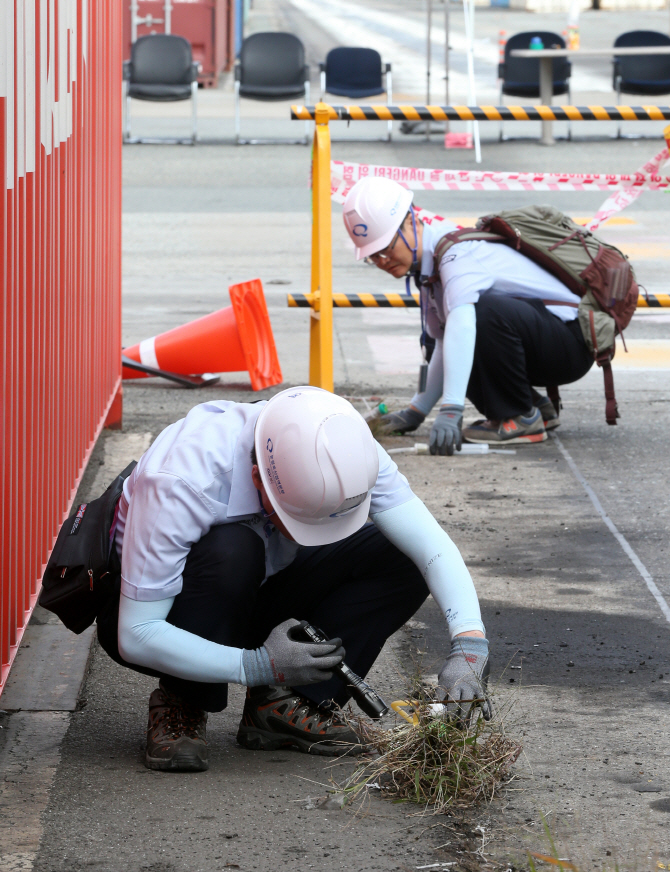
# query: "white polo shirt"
198,474
470,269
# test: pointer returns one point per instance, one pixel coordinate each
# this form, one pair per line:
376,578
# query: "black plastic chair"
161,69
520,77
647,75
357,73
271,67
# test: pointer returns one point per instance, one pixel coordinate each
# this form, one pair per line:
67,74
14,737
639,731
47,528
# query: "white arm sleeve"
460,333
146,638
424,402
415,532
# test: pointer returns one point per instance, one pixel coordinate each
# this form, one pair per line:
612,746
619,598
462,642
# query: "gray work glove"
445,436
404,421
462,679
283,661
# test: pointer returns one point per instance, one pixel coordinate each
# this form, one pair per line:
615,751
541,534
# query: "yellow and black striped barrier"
654,301
380,112
406,301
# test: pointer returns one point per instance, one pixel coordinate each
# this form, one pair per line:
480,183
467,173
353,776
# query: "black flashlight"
367,698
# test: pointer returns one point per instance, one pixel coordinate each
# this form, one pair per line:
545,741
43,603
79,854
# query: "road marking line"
648,354
609,523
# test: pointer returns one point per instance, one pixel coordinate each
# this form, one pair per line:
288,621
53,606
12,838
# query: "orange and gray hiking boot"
521,429
176,734
277,717
549,413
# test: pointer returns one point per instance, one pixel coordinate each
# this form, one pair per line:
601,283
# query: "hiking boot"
549,413
277,717
523,428
176,735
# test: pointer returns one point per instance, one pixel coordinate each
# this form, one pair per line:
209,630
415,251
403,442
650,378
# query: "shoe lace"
323,719
179,720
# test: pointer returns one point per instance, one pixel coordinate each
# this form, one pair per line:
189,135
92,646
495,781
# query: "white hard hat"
373,211
318,462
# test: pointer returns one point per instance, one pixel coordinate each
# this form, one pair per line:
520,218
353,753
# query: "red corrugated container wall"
60,250
207,24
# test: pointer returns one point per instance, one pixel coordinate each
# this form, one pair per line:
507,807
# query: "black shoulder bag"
84,569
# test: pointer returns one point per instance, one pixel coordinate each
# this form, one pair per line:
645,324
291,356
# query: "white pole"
133,21
429,23
446,57
469,21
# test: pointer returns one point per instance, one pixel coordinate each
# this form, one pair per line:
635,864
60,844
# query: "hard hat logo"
395,206
374,209
269,446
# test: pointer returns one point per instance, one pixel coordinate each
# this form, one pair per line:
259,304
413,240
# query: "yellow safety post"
321,315
666,135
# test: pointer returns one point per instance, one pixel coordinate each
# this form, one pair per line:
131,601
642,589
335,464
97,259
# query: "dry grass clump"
436,762
377,426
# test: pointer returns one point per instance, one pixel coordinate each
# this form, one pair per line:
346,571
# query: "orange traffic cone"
233,339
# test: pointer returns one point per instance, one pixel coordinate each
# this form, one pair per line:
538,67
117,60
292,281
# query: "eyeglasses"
384,254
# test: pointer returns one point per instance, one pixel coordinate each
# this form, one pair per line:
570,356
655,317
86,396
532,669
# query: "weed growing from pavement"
442,765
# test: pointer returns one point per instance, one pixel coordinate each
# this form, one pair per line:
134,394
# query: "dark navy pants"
361,589
519,344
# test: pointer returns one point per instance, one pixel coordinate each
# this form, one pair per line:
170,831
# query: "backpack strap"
466,234
555,397
611,409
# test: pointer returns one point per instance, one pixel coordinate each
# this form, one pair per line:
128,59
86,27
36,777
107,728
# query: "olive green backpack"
589,267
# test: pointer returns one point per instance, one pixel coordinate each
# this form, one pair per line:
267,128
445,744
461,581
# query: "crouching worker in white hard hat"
241,520
500,322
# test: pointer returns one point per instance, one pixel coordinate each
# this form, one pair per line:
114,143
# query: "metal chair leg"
237,113
307,95
500,128
194,112
389,102
126,110
569,122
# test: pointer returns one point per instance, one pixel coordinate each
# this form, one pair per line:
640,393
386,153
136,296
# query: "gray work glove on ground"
282,661
404,421
462,679
445,436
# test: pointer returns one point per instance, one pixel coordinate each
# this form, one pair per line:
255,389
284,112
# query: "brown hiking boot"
277,717
176,734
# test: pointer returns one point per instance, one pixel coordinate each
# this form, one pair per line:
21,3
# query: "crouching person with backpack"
239,522
502,323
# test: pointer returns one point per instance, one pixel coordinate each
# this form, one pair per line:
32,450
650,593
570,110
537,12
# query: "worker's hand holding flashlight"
462,680
294,662
445,435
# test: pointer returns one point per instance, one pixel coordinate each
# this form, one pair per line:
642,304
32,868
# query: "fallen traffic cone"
233,339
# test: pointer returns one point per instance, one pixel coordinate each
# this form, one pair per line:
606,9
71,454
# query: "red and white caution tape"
418,179
620,199
625,188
